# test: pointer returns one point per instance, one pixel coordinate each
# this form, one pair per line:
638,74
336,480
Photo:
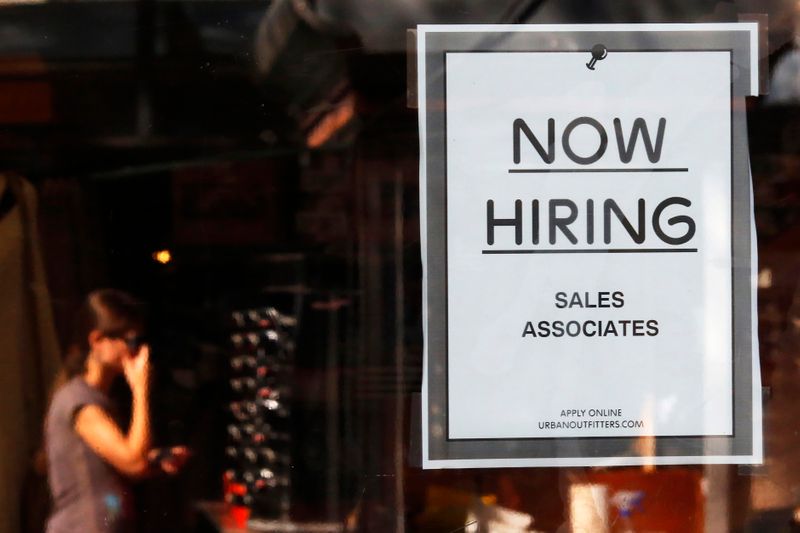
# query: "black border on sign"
733,352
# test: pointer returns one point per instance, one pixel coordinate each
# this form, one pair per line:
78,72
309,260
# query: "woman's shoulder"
73,394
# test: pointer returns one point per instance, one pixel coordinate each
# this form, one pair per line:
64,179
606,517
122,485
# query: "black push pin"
599,52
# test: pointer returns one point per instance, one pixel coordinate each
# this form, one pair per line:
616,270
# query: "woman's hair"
106,310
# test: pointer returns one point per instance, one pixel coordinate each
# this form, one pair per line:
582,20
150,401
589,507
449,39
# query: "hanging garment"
29,354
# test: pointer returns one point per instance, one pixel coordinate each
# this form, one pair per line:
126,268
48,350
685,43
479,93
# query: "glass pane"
251,172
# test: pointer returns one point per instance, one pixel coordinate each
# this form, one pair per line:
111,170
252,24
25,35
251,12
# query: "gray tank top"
88,494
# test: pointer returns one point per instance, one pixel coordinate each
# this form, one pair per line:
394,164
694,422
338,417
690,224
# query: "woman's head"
108,327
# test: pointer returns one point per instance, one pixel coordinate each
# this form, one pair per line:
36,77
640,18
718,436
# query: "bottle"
243,384
270,456
271,393
232,452
238,319
241,362
274,408
232,476
238,340
237,409
259,318
264,433
279,318
266,479
251,455
235,433
269,366
251,408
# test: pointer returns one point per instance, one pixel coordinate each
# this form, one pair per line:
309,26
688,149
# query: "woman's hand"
137,368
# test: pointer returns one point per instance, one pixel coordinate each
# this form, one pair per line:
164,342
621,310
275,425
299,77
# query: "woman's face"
110,349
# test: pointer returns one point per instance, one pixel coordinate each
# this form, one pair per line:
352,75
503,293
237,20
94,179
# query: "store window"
254,278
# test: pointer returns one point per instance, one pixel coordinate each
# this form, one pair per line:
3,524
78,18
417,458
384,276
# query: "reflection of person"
90,458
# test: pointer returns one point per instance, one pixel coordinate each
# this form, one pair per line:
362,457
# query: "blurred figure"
91,460
785,83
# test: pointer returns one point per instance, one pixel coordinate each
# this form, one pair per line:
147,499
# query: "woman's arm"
126,453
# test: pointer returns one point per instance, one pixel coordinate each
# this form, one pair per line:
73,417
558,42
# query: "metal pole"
399,349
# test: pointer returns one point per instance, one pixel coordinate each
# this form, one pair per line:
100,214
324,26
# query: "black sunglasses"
134,343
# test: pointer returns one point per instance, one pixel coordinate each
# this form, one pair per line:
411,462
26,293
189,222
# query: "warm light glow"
332,122
765,278
163,256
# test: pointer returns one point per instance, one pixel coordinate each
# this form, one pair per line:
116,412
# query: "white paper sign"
590,234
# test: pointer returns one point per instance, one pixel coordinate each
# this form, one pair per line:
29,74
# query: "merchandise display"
259,457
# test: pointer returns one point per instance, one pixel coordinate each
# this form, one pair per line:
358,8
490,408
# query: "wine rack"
259,440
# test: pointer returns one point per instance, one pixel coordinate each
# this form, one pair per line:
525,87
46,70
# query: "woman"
91,459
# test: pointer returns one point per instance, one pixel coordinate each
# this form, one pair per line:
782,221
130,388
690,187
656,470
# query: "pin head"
599,52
